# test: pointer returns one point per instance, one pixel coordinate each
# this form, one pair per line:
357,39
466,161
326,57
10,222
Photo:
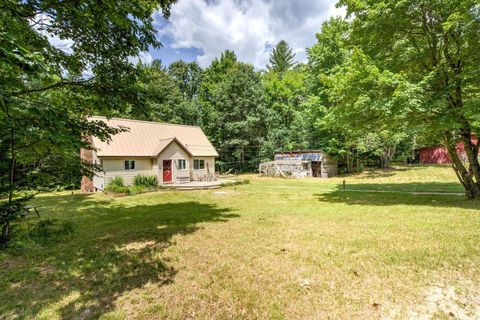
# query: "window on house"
129,164
182,164
198,164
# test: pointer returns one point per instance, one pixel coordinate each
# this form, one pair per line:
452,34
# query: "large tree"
340,130
47,93
281,57
187,77
161,97
416,63
285,121
233,111
325,58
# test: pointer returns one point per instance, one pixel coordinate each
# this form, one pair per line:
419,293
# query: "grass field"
270,249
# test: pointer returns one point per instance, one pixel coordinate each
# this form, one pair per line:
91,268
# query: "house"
439,155
300,164
172,152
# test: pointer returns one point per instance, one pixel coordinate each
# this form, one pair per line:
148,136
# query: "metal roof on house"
148,139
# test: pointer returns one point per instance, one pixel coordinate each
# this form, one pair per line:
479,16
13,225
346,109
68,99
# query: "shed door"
316,168
167,170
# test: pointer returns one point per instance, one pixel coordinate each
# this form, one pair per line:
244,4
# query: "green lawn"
273,248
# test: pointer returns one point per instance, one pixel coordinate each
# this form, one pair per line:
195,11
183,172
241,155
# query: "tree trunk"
5,234
471,150
466,177
350,161
11,177
469,177
386,157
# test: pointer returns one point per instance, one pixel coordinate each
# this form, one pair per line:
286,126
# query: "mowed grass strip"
273,248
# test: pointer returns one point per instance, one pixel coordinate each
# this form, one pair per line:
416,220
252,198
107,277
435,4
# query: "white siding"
115,167
203,174
98,177
173,152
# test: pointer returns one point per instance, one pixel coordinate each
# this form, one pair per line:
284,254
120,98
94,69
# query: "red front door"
167,170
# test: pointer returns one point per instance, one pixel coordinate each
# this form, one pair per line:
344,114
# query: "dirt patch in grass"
460,301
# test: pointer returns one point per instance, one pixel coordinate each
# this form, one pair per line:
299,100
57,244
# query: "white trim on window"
182,164
198,164
129,165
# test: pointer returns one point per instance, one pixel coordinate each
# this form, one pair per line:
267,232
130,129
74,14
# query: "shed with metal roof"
300,164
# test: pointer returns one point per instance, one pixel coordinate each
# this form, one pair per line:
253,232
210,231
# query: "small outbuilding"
300,164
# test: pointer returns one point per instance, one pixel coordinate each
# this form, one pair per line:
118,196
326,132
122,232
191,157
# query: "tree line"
389,77
248,114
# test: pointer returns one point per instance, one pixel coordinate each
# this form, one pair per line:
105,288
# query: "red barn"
436,154
439,154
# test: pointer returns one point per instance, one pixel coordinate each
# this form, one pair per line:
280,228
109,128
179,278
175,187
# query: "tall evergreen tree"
281,57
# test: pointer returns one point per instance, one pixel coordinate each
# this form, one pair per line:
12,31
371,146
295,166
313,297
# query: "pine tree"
281,58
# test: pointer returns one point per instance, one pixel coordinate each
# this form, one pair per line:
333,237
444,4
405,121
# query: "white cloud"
248,27
144,57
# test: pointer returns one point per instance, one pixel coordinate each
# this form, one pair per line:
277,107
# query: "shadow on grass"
116,248
432,187
442,195
374,173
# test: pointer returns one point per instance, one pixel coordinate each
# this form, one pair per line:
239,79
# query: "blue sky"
199,30
168,54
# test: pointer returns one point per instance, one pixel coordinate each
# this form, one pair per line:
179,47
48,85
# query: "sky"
200,30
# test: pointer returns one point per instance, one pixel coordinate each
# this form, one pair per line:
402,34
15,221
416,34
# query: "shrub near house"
116,186
149,182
